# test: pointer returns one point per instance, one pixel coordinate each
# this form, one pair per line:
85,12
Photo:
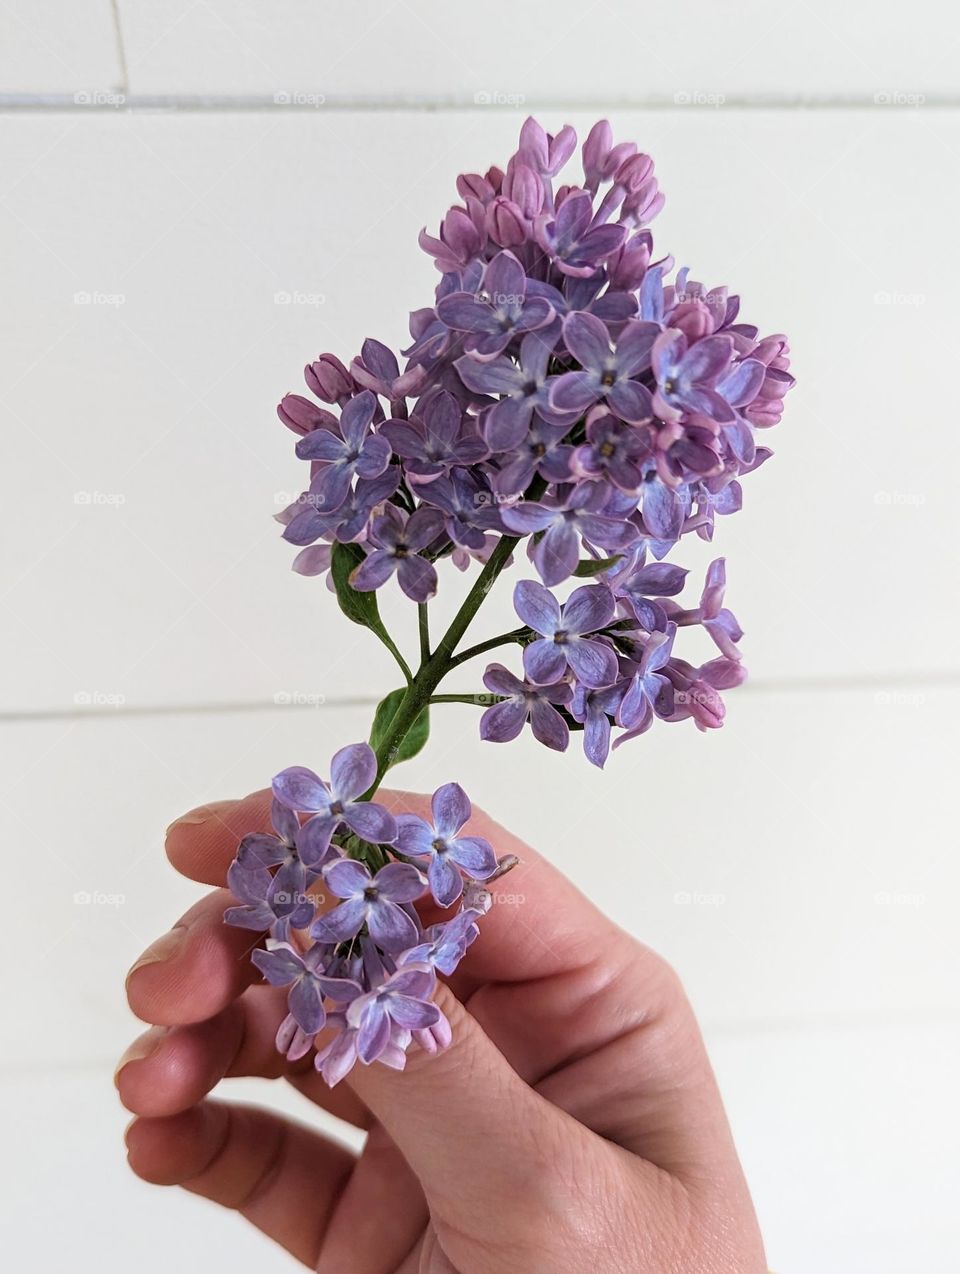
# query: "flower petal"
451,809
446,883
399,882
305,1003
347,878
544,662
352,770
593,664
390,927
504,721
537,607
341,923
588,608
371,821
474,854
414,836
300,789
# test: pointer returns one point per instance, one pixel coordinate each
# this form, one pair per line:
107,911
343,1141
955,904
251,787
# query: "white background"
167,170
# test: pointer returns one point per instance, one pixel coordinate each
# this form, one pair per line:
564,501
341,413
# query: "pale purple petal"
411,1014
306,1004
347,878
593,664
371,821
474,854
352,771
300,789
588,608
391,928
503,721
544,662
537,607
451,809
399,882
446,883
341,923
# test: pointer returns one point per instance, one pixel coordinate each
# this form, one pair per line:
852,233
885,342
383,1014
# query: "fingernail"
164,948
145,1046
214,811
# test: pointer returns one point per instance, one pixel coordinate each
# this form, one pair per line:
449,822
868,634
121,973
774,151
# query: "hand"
573,1125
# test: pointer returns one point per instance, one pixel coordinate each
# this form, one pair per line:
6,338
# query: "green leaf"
361,608
593,566
412,741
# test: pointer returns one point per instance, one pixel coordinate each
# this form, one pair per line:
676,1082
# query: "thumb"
464,1120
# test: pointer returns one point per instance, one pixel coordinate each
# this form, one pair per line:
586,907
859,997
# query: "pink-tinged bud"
473,186
434,1039
629,266
642,204
694,319
522,185
634,172
505,223
594,151
460,235
704,704
303,416
328,378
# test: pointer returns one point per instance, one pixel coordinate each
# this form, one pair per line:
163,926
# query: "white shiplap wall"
182,164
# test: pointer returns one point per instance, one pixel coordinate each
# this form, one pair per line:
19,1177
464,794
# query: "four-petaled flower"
398,539
304,974
524,386
449,853
564,634
498,311
687,375
563,524
606,372
358,452
352,771
375,901
524,701
568,238
401,1003
434,439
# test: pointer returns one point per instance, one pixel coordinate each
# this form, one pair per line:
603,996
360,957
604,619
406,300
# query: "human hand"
573,1124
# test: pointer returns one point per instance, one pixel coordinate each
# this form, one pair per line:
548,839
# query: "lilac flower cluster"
365,975
567,392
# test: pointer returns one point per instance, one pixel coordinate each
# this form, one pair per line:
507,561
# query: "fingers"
282,1177
201,844
473,1132
169,1069
195,970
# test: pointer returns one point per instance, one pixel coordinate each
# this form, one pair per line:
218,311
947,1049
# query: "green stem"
491,643
481,700
423,620
392,647
431,673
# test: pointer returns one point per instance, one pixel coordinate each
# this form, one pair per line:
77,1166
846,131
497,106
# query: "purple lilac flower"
449,854
374,901
468,506
401,1002
499,311
349,521
434,439
377,370
542,452
358,452
260,850
614,451
595,710
352,770
576,247
636,582
687,375
398,538
607,370
444,945
524,386
524,701
305,975
650,689
265,907
564,634
563,523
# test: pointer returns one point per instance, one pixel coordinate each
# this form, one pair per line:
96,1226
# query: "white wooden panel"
47,46
152,398
523,50
795,866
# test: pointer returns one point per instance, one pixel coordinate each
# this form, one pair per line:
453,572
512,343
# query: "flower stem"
491,643
431,673
482,700
423,620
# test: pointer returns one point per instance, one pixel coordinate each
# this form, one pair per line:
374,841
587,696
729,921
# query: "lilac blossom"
352,770
498,311
402,1002
358,452
371,900
523,701
449,854
565,634
305,975
564,522
399,538
567,390
607,370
